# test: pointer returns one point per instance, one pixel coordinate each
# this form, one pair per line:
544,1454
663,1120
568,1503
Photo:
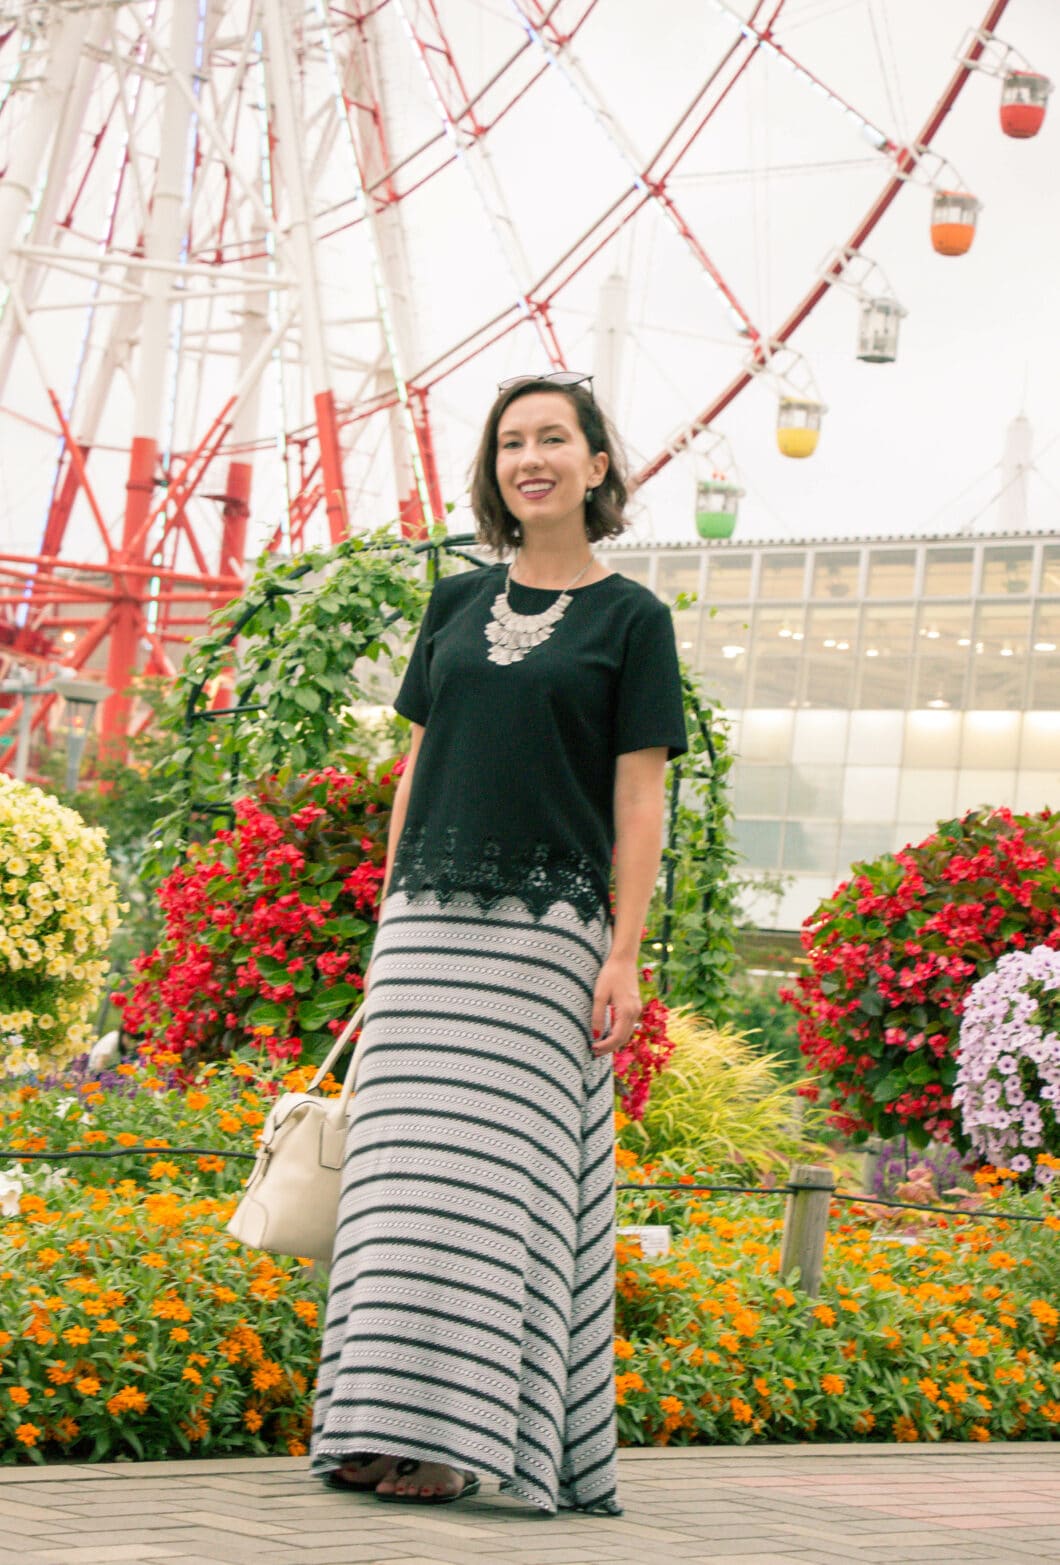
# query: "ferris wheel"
257,257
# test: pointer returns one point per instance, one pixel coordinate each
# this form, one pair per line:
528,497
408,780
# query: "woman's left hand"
617,987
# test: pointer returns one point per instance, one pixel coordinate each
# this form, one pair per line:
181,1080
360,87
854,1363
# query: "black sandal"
408,1465
335,1480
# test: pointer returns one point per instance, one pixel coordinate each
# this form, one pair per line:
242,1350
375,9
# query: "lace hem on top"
538,877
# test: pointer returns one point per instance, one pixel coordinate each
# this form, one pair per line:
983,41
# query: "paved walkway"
766,1505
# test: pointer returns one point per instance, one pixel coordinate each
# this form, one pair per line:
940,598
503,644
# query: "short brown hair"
604,514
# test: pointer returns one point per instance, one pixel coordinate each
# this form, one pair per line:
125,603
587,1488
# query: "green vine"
297,645
695,911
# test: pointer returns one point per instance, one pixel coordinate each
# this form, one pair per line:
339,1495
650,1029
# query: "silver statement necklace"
511,635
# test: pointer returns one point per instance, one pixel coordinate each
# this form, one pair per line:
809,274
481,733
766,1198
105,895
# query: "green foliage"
953,1337
121,797
303,629
769,1026
718,1100
697,933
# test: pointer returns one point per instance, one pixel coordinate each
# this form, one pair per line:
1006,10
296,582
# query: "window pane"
948,572
835,573
1051,569
759,790
728,577
686,630
810,847
1007,568
940,682
892,573
816,791
635,566
830,641
884,664
944,642
776,656
1045,658
677,573
724,641
758,842
782,575
1002,646
862,843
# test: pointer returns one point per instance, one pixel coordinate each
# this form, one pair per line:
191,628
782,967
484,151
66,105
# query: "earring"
589,495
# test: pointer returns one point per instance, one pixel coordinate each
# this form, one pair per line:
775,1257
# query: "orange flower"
19,1395
88,1385
196,1100
825,1314
1046,1314
296,1447
904,1429
27,1434
267,1375
741,1411
833,1385
929,1389
130,1399
623,1349
179,1334
253,1420
77,1336
978,1432
865,1422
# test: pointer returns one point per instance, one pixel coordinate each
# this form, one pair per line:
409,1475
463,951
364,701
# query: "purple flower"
1008,1071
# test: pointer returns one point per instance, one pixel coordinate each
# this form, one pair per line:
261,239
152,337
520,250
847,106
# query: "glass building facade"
874,688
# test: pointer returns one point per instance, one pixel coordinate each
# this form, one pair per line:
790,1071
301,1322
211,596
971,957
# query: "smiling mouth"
535,491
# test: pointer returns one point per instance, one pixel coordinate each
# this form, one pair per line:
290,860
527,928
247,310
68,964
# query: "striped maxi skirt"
470,1305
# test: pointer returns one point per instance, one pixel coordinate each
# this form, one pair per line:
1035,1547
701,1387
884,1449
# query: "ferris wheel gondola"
189,183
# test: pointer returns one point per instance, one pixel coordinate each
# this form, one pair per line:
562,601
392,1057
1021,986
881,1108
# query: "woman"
470,1311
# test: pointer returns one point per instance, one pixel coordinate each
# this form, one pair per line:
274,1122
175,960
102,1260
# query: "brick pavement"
764,1505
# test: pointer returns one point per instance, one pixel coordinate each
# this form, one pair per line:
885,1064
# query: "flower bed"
948,1334
134,1326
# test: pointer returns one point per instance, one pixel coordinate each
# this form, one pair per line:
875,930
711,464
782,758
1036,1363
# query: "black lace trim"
538,877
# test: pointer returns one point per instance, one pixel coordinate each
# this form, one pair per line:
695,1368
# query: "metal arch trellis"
459,547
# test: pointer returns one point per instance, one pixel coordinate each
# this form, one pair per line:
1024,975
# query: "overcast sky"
779,179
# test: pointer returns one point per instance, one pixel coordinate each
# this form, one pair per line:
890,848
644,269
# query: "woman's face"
544,465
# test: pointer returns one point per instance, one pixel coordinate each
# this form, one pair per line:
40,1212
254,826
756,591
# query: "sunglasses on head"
554,378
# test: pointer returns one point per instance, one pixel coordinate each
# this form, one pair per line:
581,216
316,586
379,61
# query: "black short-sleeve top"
513,787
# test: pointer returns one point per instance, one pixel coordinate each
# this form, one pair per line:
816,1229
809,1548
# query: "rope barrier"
59,1154
839,1195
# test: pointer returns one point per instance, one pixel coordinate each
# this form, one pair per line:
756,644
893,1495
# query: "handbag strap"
336,1049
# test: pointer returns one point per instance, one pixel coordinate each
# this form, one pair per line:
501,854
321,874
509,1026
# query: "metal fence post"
806,1224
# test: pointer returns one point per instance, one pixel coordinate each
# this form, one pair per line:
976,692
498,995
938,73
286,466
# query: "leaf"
266,1013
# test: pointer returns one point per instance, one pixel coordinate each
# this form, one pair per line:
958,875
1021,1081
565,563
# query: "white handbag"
290,1202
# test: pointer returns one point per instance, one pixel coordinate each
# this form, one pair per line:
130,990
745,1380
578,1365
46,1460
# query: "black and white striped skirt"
471,1298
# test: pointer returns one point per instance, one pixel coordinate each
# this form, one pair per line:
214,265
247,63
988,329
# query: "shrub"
134,1325
892,956
950,1337
59,910
717,1099
268,926
1008,1076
